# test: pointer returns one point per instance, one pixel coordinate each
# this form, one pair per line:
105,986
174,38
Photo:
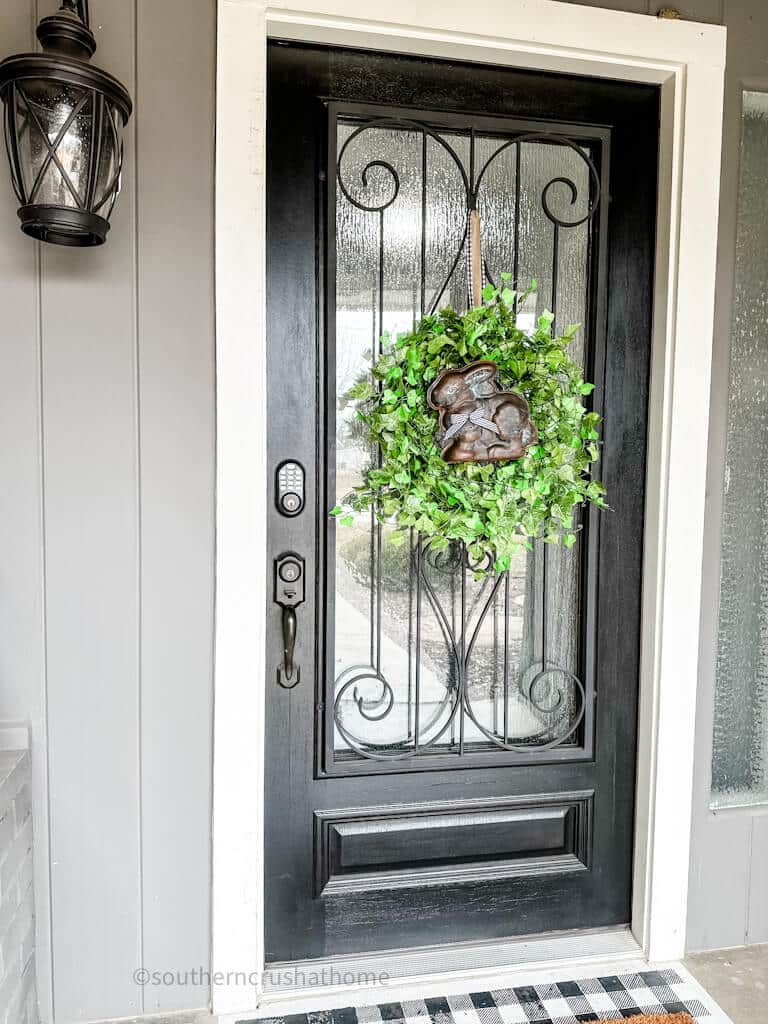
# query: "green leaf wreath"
494,508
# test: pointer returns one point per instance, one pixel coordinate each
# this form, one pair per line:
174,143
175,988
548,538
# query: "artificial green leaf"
496,509
361,390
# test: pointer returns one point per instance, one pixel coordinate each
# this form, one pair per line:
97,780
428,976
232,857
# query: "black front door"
450,759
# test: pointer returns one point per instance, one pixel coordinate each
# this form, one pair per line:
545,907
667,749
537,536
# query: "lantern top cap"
66,33
68,46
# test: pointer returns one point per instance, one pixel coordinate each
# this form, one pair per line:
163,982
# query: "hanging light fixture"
64,120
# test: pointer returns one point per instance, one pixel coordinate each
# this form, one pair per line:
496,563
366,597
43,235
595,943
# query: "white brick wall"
18,1000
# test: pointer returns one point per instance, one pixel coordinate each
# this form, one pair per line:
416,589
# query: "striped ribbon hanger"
475,254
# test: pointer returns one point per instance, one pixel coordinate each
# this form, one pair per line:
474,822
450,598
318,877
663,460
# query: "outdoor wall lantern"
63,125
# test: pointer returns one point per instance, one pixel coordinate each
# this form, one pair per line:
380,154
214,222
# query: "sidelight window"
740,740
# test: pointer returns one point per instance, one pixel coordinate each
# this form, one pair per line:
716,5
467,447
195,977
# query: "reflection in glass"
400,616
740,751
55,124
52,106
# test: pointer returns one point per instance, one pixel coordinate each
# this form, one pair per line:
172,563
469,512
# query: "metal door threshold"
449,963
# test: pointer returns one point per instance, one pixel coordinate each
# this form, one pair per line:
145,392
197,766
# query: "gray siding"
90,409
107,462
176,453
22,649
106,535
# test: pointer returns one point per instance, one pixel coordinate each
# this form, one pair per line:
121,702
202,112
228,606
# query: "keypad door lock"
290,488
289,594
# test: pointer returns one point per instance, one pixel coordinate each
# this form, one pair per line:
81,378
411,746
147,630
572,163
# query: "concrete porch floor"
737,979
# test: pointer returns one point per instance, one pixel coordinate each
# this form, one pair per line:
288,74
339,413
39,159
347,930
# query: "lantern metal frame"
68,44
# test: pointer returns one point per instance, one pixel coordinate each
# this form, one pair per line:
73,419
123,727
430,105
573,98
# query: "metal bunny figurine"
479,421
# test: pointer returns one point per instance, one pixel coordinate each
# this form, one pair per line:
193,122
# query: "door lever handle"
289,645
289,594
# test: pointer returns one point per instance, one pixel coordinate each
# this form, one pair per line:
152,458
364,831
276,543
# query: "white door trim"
687,60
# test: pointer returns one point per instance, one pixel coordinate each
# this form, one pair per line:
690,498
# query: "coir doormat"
655,1018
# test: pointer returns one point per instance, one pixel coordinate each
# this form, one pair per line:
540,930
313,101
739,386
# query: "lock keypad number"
290,488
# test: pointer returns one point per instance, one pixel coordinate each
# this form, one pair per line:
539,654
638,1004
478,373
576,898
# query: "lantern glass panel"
13,123
53,116
109,159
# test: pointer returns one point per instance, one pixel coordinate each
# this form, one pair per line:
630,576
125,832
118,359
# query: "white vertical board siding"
107,424
22,649
20,537
128,412
757,900
175,100
719,920
92,556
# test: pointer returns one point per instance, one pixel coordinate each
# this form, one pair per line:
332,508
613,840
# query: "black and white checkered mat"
564,1002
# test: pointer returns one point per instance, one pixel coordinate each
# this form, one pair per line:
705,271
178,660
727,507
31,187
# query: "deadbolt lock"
290,488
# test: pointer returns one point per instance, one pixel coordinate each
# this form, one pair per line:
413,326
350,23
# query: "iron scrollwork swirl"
365,179
558,706
472,183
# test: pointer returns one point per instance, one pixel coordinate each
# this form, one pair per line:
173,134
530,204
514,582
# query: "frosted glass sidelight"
740,751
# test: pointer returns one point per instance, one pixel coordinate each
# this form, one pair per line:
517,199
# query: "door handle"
289,645
289,594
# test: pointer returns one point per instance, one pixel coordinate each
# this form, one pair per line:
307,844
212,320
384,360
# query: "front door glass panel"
427,661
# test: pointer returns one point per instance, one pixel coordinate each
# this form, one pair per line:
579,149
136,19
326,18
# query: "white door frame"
687,60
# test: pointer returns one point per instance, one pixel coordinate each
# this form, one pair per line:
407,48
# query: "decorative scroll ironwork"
380,719
473,182
547,689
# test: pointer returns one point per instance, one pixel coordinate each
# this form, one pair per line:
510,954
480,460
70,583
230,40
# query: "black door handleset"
289,594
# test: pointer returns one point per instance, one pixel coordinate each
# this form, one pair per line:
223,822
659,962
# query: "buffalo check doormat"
608,998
